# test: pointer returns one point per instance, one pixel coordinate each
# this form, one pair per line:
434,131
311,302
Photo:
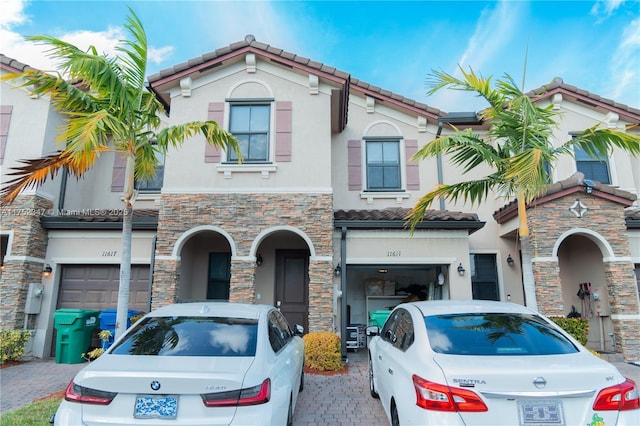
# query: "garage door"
96,287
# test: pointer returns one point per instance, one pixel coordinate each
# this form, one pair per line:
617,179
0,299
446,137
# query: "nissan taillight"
437,397
620,397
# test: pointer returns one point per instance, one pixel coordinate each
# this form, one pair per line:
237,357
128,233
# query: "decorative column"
624,308
242,287
166,278
548,288
320,296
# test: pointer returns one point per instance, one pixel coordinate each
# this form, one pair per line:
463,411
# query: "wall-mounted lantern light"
338,270
461,270
47,270
259,260
510,261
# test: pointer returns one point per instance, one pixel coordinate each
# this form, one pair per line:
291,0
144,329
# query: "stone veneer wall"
547,222
29,243
243,217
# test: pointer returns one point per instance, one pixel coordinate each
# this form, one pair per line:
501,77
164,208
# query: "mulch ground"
343,370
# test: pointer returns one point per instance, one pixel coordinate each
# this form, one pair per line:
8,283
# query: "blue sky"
594,45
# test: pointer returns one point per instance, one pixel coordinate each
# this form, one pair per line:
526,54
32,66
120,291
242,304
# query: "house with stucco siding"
313,219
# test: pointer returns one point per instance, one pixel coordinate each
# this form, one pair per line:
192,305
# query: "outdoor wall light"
588,186
510,261
46,272
338,270
259,260
461,270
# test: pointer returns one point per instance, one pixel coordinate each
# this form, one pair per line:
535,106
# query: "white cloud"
606,7
624,67
14,45
493,30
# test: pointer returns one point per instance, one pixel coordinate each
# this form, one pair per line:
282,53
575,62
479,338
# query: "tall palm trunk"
527,260
122,311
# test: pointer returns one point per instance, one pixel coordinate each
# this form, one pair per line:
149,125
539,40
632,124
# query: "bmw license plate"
154,406
547,412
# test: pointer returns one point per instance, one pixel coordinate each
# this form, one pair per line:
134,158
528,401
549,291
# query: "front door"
292,286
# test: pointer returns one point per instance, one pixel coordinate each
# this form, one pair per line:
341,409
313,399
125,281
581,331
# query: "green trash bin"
74,329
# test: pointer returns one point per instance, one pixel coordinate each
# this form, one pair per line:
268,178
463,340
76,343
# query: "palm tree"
518,152
107,109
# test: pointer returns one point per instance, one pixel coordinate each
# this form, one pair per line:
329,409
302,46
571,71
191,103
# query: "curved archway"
205,254
581,254
282,278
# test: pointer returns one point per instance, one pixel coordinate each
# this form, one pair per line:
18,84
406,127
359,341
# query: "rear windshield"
190,336
495,334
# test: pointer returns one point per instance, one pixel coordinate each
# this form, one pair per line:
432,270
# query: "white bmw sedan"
491,363
193,364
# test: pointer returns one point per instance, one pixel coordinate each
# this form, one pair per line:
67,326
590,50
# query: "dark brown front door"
292,286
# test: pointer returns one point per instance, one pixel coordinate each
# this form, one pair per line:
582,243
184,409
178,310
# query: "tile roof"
96,219
574,183
396,218
558,85
250,43
12,64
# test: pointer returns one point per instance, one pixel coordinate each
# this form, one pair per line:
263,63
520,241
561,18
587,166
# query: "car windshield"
190,336
495,334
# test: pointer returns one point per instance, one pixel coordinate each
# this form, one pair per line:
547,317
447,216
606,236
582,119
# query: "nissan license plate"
547,412
155,406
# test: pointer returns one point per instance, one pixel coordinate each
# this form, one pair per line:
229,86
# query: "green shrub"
322,351
12,344
576,327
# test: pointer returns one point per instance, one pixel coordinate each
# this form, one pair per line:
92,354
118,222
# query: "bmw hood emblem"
155,385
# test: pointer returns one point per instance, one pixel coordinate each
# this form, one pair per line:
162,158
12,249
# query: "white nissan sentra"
193,364
491,363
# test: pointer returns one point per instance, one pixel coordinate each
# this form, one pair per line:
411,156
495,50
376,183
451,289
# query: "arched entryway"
282,272
205,266
584,286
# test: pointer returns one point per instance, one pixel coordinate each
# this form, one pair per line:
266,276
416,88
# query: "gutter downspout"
343,293
153,261
439,164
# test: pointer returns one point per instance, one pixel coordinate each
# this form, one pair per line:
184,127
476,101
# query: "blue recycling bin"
108,322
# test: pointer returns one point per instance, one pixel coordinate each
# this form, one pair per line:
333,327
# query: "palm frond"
35,172
474,191
214,135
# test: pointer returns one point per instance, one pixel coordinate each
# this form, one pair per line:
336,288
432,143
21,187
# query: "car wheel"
290,414
301,381
372,386
395,421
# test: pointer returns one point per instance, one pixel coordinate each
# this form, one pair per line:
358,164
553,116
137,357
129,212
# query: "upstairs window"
153,184
383,165
592,168
250,125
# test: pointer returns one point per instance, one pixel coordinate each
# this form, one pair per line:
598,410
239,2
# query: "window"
592,168
279,332
250,125
495,334
383,165
219,276
484,277
191,336
153,184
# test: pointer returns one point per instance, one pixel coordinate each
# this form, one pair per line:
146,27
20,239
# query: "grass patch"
37,413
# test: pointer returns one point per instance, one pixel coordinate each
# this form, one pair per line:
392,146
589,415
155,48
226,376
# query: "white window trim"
402,165
263,169
399,196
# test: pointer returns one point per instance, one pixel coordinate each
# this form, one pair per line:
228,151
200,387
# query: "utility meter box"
34,298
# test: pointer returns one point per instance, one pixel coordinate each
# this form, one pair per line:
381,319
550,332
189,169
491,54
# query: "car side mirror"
372,330
298,330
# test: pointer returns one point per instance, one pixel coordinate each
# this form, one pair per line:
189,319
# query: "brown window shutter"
5,119
411,168
119,172
283,131
355,164
212,154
